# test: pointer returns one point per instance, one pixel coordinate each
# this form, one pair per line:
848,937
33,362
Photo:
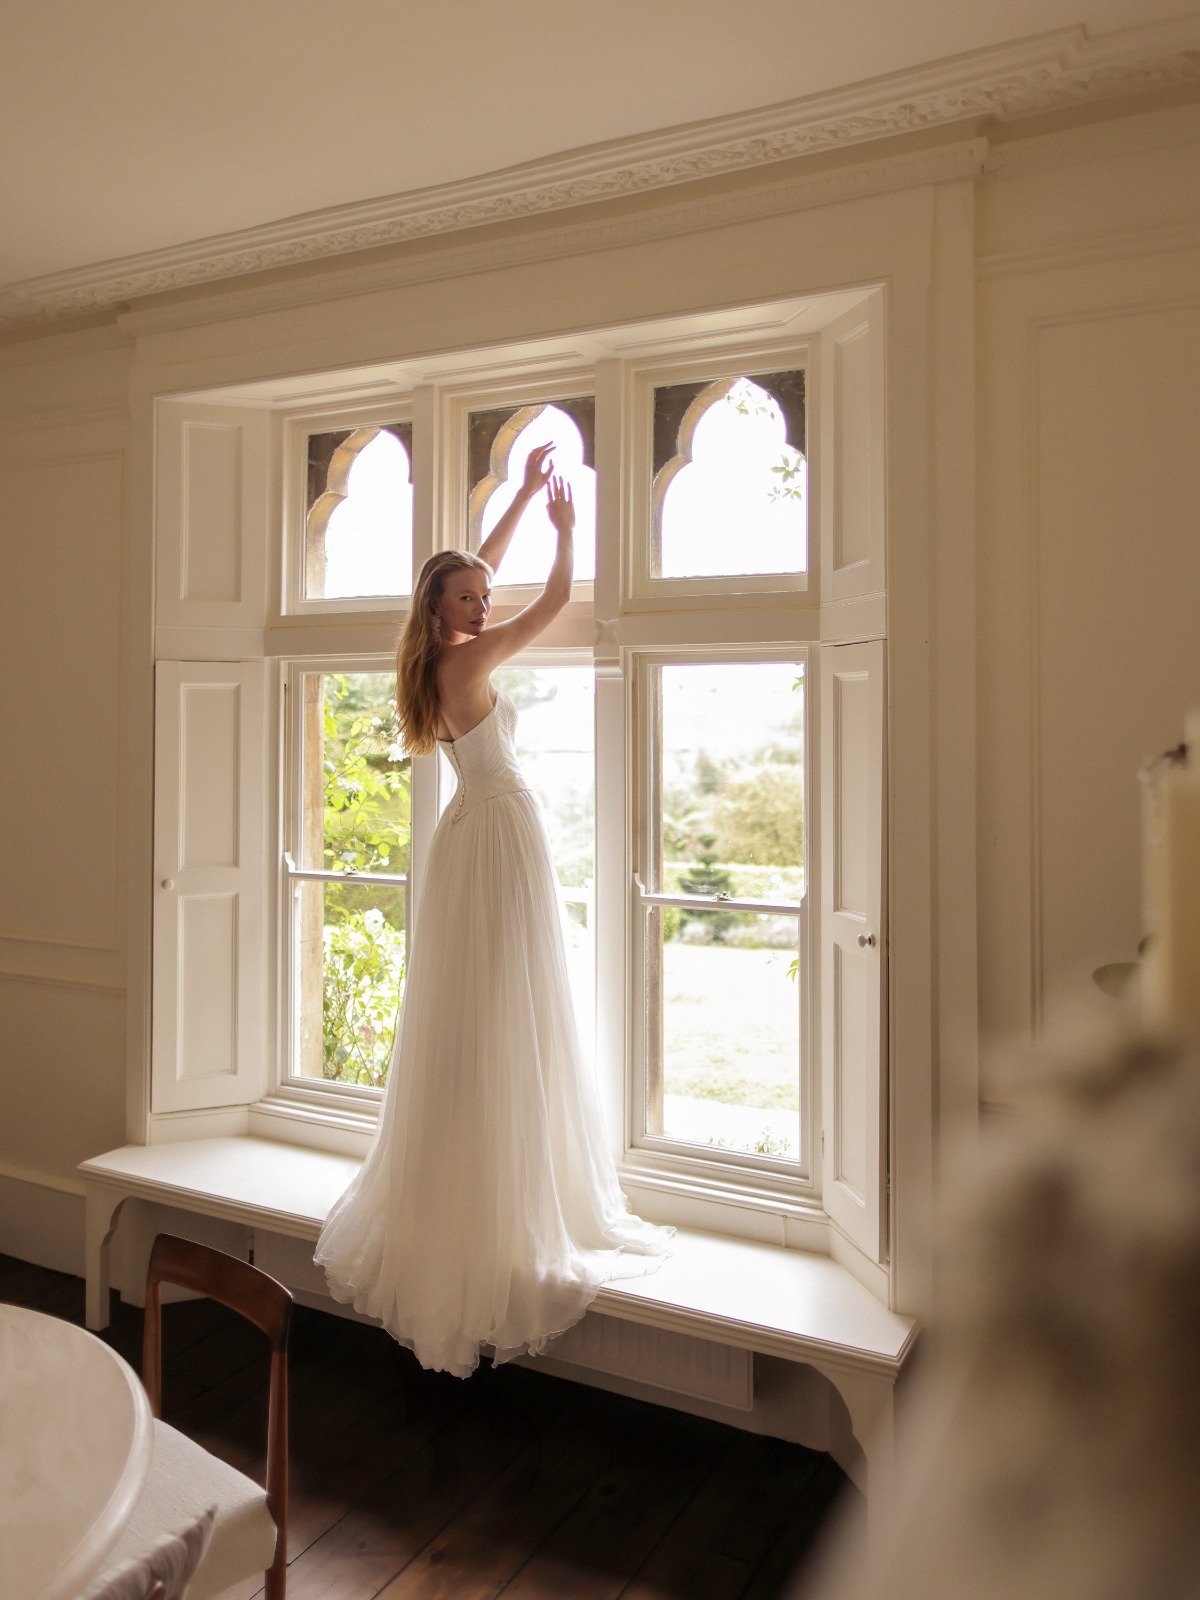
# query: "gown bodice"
485,760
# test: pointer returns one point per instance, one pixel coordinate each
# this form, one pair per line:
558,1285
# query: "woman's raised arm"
537,476
483,655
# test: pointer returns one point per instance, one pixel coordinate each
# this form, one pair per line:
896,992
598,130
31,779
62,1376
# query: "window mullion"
612,767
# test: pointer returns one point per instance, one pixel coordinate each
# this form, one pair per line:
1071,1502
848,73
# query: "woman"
488,1211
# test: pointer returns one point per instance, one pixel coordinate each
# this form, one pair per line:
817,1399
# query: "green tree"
525,688
363,976
709,775
366,779
707,878
759,819
367,828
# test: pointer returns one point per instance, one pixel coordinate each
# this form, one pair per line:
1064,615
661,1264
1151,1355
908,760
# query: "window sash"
642,589
298,426
644,732
292,1082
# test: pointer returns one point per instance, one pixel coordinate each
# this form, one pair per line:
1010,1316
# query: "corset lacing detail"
462,783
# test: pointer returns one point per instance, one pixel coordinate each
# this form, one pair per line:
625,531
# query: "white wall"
1087,322
1089,545
64,434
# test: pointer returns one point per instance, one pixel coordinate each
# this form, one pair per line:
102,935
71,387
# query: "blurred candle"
1173,878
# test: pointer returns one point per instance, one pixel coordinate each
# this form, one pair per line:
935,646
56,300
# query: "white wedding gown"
488,1211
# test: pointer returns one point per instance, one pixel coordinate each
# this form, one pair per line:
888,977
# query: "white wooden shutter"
208,1035
851,501
212,514
853,943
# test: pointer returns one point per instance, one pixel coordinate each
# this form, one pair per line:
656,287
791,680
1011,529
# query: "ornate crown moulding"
1045,71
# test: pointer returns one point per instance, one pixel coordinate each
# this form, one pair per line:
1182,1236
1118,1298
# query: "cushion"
171,1560
183,1479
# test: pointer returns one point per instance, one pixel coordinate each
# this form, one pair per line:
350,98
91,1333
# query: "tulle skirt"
488,1212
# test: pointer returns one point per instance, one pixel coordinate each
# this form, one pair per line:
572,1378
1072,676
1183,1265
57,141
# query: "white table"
75,1441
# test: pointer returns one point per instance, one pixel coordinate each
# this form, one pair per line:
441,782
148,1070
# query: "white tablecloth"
75,1440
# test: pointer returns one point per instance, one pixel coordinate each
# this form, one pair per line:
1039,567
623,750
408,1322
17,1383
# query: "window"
703,726
347,875
721,1063
347,868
730,478
358,521
498,441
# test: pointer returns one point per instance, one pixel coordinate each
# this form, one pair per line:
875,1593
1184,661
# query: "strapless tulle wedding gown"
488,1212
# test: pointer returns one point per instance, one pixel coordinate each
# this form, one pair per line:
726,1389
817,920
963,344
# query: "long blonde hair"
420,648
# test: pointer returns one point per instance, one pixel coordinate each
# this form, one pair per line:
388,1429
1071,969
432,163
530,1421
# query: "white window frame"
290,1084
641,591
732,1168
455,403
298,427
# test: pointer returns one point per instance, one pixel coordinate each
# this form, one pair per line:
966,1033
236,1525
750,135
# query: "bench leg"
101,1205
870,1400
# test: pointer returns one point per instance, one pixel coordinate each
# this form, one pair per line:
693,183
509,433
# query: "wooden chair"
250,1532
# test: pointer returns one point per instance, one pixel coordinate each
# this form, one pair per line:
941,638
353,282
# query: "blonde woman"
487,1214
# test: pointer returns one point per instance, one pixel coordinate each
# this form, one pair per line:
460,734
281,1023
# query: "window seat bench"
755,1297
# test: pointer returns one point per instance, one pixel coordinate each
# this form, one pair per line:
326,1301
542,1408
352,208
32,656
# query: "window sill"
772,1213
707,1203
760,1297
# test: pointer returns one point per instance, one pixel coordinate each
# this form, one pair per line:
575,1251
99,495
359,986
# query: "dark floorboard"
411,1485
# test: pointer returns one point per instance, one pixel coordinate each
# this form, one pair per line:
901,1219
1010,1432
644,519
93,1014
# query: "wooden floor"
411,1484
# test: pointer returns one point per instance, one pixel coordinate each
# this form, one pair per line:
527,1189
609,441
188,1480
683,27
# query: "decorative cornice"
1045,71
686,212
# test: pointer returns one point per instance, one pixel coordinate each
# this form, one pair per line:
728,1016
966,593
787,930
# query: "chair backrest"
263,1301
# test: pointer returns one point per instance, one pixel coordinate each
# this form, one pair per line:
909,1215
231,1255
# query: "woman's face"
465,603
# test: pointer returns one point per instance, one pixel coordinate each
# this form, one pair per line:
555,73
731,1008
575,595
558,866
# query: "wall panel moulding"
1064,68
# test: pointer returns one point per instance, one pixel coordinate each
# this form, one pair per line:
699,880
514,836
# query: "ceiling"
136,125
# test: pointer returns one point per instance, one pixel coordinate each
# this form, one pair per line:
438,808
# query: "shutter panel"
212,515
853,943
852,455
208,1035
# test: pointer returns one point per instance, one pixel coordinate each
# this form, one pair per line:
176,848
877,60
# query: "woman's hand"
537,470
560,507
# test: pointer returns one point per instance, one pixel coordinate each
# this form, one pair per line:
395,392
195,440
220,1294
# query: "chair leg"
275,1587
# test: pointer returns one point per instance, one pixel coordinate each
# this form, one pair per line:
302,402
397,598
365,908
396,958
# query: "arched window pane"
360,513
500,440
732,496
